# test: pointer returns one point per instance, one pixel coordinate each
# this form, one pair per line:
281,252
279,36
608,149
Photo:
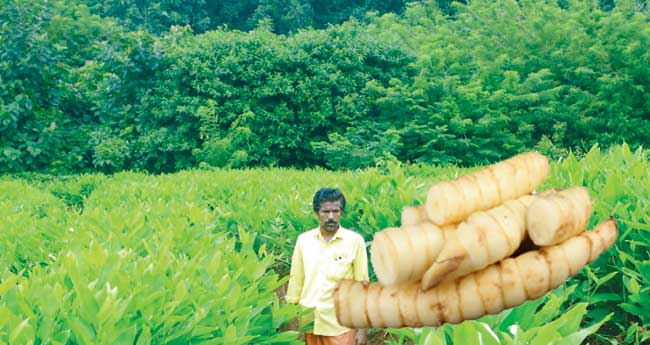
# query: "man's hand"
362,337
293,325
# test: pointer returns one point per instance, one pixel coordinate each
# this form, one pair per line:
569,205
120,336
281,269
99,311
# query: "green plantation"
197,256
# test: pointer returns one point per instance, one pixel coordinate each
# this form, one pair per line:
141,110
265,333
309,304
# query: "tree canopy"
81,89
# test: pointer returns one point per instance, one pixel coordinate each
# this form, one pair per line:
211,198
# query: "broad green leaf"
8,283
430,336
23,333
81,331
579,336
466,333
144,338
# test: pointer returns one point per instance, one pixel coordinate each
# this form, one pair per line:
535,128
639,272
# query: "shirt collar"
338,234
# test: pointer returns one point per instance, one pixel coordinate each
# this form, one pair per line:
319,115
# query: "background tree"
470,86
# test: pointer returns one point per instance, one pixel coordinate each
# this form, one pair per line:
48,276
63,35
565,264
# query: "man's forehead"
330,205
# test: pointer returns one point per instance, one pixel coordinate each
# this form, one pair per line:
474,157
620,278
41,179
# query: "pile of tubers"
463,253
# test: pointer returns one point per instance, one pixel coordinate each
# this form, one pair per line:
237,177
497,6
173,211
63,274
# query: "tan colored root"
403,254
452,201
488,291
485,238
413,215
553,218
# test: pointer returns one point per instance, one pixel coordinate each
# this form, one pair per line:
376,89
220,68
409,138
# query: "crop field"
197,257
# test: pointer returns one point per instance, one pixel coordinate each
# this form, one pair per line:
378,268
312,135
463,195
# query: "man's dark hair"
328,194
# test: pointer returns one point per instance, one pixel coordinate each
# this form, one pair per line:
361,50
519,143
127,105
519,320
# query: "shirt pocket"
340,267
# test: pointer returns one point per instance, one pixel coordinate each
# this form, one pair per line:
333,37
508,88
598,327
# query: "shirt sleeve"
297,279
361,262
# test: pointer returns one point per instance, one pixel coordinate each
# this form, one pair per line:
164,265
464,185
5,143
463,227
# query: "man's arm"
361,262
361,273
297,279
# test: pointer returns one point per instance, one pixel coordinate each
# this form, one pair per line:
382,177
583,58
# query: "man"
321,258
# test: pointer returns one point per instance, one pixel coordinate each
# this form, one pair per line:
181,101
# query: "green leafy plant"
199,254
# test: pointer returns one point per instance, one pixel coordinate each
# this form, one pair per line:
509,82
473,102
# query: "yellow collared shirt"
317,266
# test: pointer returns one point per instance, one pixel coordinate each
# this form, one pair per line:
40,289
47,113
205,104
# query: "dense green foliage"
212,245
619,183
505,76
466,85
158,16
149,269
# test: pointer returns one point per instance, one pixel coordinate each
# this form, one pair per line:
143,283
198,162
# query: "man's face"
329,215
